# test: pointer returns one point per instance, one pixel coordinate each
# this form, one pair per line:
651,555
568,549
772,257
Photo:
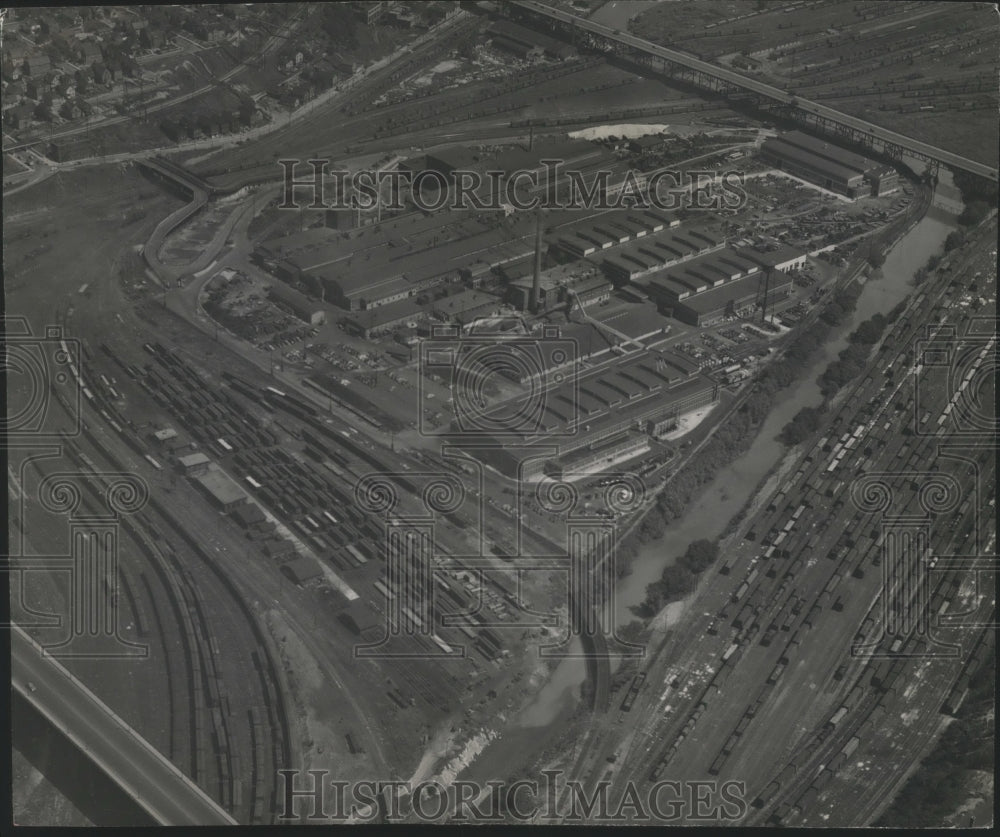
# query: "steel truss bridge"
737,87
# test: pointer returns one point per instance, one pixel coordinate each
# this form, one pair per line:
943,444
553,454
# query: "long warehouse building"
829,166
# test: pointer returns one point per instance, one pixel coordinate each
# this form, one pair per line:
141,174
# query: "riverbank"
716,510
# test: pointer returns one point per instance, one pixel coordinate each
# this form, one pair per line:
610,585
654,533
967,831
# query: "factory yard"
683,478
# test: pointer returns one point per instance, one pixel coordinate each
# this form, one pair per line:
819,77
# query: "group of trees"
679,579
802,425
187,126
338,22
979,196
955,239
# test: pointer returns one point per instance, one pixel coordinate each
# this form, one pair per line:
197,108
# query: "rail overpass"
723,80
178,175
149,778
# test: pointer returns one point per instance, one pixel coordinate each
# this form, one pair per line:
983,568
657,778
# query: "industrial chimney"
536,281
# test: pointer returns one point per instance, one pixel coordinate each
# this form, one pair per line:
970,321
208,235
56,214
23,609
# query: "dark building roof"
248,514
302,569
278,547
717,299
299,303
822,165
834,153
221,487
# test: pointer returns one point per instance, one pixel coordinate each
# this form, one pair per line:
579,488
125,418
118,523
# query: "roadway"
155,784
883,135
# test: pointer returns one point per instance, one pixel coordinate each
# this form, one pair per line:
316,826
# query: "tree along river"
709,514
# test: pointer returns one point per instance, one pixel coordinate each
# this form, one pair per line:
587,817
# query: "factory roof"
717,298
516,32
701,273
388,270
296,242
278,547
820,164
636,321
390,313
465,302
302,569
770,258
221,486
642,407
822,148
666,246
298,302
247,514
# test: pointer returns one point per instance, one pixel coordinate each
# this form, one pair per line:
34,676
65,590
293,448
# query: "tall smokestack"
536,282
531,137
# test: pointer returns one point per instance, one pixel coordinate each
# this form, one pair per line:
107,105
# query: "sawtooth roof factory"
726,282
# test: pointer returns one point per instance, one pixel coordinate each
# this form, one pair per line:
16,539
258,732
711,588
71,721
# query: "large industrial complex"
507,412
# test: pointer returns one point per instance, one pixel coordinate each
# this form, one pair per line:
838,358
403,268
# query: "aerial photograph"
501,413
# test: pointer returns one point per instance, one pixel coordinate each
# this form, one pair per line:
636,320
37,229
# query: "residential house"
37,65
90,52
19,117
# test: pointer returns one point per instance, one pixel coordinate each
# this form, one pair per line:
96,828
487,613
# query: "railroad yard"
353,490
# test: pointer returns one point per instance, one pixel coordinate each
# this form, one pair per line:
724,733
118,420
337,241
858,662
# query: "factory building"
249,516
558,285
783,258
220,489
594,420
297,303
588,291
698,275
404,266
524,42
610,229
385,318
302,569
194,463
465,307
829,166
623,431
601,456
640,258
165,435
737,298
884,181
526,52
